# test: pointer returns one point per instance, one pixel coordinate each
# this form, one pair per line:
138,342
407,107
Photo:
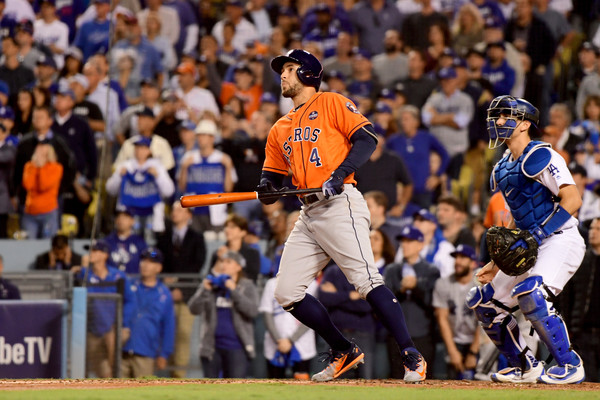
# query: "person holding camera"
228,304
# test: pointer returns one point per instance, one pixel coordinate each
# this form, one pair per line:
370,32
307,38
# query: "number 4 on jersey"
314,157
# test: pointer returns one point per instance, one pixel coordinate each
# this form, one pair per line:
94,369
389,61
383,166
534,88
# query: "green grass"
282,391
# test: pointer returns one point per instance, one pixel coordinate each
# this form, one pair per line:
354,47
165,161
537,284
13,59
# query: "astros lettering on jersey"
314,139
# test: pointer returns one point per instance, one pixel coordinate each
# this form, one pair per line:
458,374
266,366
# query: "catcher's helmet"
514,110
310,71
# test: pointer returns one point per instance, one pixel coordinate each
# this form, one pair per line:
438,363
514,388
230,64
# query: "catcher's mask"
513,111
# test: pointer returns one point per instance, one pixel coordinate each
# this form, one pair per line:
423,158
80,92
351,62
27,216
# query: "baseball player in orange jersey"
323,141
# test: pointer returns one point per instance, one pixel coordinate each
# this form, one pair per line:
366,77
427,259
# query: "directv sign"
31,339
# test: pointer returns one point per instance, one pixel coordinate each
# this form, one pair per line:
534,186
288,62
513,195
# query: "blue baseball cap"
64,90
145,112
99,244
268,97
4,88
153,254
47,61
447,73
7,113
465,250
387,94
187,125
379,130
425,214
122,209
335,74
143,141
459,62
357,52
411,233
382,107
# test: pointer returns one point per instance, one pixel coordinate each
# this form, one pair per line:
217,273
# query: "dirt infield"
37,384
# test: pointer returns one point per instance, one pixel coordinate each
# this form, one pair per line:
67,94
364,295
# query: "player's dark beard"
461,272
292,91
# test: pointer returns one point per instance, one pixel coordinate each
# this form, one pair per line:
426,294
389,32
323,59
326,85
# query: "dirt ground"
24,384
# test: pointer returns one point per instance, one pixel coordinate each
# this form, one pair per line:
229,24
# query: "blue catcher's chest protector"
530,202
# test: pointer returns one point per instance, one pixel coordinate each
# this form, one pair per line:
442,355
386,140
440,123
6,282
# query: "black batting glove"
334,185
264,186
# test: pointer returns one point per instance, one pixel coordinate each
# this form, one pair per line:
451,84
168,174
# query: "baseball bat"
199,200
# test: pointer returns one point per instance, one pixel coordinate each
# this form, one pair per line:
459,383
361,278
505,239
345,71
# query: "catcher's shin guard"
503,331
552,330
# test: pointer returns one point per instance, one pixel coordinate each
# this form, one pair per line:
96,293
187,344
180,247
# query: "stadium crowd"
111,110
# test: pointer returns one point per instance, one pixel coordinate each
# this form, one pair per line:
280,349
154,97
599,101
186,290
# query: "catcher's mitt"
514,251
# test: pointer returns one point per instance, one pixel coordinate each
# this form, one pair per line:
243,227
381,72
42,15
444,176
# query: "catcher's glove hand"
514,251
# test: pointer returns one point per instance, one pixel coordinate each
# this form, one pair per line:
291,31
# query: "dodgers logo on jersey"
351,107
313,115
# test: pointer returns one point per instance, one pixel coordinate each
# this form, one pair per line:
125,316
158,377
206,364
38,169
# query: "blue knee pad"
531,296
504,334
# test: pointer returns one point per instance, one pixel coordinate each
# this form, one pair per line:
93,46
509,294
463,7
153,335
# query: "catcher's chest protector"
530,202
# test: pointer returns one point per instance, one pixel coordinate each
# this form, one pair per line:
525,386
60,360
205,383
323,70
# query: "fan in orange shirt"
497,213
244,87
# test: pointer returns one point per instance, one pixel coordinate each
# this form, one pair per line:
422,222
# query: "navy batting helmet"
513,110
310,71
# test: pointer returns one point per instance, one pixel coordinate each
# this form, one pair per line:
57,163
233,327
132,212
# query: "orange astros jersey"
313,140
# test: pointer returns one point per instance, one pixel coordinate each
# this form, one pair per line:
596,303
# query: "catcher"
530,265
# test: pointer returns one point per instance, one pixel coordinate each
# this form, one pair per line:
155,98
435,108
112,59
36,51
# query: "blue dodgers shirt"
225,335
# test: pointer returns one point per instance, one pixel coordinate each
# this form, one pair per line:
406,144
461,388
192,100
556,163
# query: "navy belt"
310,199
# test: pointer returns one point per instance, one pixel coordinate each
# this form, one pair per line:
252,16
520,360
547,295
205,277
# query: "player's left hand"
332,186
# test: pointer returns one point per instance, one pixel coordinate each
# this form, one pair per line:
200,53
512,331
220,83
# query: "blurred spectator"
451,217
160,42
559,127
336,82
244,30
8,291
51,32
188,25
257,13
386,171
125,246
207,170
101,61
4,93
412,281
372,19
581,306
149,97
439,46
437,249
97,94
325,31
187,138
41,180
419,85
184,253
227,303
497,213
448,113
562,31
339,14
42,96
101,336
414,146
24,113
141,182
587,64
497,71
167,123
351,314
147,59
159,146
287,342
42,124
61,256
415,27
392,64
590,194
490,11
93,36
531,36
8,153
12,72
383,249
342,60
153,326
467,29
377,202
196,100
457,323
363,84
84,108
45,78
169,19
29,51
236,228
382,116
245,87
278,230
117,9
269,106
77,134
227,53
